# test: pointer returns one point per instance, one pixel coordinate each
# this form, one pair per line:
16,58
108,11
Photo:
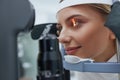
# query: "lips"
72,50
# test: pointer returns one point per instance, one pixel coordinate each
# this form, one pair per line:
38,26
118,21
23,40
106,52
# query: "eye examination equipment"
19,15
15,16
49,61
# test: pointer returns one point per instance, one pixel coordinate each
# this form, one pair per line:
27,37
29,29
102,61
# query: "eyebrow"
72,17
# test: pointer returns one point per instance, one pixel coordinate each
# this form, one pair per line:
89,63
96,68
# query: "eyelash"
76,23
59,28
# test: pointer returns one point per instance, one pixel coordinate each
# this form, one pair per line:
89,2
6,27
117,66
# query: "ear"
112,36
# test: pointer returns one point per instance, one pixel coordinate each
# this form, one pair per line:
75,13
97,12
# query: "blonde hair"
102,8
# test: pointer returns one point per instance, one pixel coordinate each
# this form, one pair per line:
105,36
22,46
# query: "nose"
64,37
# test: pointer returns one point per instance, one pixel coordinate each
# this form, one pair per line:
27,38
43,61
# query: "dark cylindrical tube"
49,62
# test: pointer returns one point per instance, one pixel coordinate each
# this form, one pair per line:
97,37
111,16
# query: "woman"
82,33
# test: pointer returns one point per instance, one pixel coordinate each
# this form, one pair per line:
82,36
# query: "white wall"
45,10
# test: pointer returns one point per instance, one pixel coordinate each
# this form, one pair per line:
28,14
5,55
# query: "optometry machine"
19,15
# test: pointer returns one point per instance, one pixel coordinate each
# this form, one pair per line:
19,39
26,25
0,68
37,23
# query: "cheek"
92,31
93,39
88,32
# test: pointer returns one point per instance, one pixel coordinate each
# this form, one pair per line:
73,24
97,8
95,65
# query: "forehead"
83,10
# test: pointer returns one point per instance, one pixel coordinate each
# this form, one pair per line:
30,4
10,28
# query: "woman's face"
82,32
